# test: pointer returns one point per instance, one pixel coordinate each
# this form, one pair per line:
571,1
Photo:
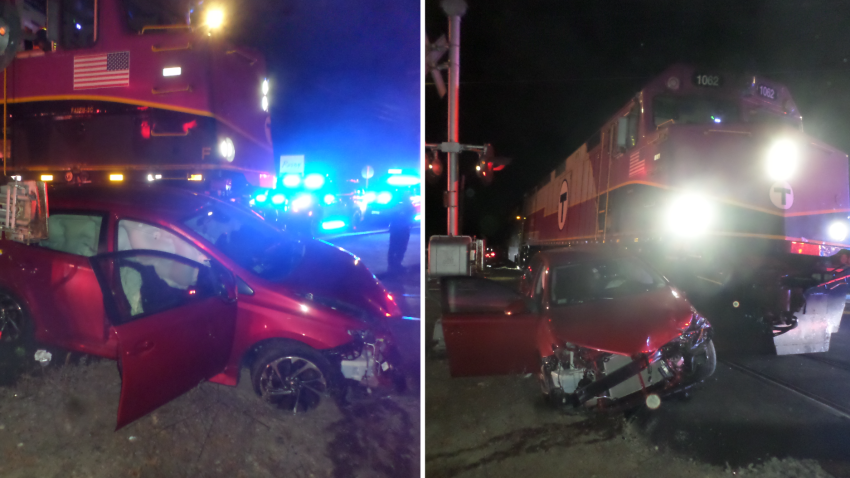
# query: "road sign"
292,164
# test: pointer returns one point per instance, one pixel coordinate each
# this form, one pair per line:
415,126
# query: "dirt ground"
59,422
501,427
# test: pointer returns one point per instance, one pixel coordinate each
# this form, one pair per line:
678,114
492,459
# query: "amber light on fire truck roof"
838,231
689,215
116,177
47,177
782,159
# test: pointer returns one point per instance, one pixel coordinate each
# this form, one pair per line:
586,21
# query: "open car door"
174,319
489,329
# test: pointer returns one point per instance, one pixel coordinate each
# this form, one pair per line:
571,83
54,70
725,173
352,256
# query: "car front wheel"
291,377
17,340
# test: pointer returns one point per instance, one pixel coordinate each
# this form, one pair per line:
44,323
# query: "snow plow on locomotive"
712,179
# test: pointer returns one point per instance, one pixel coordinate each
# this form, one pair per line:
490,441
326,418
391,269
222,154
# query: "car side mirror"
227,282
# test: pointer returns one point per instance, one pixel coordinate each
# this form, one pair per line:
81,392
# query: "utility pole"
454,9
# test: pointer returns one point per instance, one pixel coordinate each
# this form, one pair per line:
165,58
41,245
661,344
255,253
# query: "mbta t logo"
563,204
781,195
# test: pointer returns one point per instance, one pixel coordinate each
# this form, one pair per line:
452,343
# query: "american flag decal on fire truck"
636,165
105,70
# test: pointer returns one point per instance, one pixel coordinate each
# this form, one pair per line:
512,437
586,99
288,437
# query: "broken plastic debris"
43,357
653,401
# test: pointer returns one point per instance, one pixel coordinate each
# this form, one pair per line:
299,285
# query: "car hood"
630,325
331,276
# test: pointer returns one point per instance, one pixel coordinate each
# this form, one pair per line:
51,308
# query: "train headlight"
689,215
782,159
838,231
227,149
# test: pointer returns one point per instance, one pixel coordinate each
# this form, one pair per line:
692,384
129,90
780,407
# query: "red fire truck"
133,90
711,177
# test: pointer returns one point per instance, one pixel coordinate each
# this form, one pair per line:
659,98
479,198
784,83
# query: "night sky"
539,77
345,78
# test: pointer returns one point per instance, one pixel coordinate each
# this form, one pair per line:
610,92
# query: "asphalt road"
753,409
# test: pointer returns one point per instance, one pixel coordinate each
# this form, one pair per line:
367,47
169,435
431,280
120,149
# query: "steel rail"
825,403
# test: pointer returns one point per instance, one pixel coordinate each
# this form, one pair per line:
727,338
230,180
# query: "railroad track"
836,408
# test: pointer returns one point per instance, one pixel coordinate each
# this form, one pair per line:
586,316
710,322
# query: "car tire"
707,368
292,377
17,338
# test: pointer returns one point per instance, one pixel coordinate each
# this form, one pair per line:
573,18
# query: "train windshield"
760,115
693,110
602,280
142,13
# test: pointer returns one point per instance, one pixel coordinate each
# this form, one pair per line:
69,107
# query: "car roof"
164,201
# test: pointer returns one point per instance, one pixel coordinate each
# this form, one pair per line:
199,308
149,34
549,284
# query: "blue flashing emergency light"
314,181
291,180
278,199
262,197
417,217
384,197
402,180
395,171
333,224
369,197
329,199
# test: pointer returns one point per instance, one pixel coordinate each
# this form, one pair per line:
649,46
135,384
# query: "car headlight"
689,215
838,231
782,159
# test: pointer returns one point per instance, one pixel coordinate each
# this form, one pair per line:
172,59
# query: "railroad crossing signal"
436,51
10,33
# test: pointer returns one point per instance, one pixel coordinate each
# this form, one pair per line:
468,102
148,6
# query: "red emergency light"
805,248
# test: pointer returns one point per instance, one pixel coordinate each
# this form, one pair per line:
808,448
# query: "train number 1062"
707,80
767,92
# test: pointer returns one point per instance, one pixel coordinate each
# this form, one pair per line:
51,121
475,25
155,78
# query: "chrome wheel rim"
293,383
11,320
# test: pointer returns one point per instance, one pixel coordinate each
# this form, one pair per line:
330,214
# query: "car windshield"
247,240
693,110
600,280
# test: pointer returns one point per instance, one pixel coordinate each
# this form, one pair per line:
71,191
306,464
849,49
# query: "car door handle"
141,347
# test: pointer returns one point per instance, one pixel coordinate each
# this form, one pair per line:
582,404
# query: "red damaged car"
598,326
180,287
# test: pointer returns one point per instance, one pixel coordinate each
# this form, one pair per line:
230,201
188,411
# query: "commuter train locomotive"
132,90
712,179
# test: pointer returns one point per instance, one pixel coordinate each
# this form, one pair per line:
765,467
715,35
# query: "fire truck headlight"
227,149
782,159
689,215
262,197
369,197
838,231
384,197
278,199
329,199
